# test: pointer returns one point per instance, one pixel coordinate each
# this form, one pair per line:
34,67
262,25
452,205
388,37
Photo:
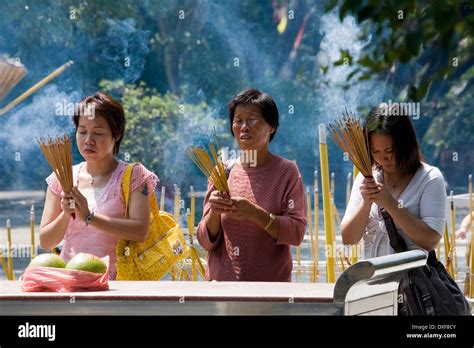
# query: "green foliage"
436,34
453,120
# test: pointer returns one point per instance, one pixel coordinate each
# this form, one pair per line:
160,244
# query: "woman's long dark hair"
406,149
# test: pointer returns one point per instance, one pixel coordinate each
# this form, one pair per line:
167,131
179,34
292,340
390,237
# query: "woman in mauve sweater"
249,232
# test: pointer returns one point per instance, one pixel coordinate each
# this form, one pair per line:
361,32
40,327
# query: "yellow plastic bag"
163,248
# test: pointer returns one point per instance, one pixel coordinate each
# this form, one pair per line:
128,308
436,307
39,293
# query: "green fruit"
87,262
48,260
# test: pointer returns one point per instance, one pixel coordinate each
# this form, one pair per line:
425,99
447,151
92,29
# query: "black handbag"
428,290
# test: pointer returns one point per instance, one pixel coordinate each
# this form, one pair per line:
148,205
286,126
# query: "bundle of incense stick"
11,72
210,165
58,153
351,137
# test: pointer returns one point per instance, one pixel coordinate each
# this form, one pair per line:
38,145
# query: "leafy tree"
438,35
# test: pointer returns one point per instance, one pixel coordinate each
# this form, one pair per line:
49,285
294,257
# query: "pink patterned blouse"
80,238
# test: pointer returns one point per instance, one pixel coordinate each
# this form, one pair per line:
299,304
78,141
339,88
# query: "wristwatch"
89,218
272,218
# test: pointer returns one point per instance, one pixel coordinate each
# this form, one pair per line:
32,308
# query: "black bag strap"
397,242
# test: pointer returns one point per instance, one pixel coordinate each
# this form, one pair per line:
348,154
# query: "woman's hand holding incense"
220,203
244,209
374,192
67,203
81,207
384,198
369,189
247,210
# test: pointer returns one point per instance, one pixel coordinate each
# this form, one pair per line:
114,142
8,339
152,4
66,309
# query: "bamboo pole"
35,87
354,251
162,199
438,250
446,245
471,234
448,251
298,260
4,265
191,242
333,207
193,206
336,218
32,228
453,233
316,226
323,155
10,258
310,230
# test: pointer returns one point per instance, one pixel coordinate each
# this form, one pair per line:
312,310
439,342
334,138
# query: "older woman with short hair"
248,233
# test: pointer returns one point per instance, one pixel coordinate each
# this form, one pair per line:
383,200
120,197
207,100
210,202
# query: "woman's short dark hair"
265,102
405,144
101,104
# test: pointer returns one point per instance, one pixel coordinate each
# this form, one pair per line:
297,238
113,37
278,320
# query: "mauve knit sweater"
243,251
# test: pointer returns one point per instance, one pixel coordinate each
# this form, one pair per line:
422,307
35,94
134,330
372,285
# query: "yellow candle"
453,234
323,156
333,208
10,258
191,242
310,228
447,251
4,266
471,262
316,225
193,207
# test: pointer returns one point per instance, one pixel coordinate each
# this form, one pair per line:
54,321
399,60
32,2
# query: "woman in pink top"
97,198
248,234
